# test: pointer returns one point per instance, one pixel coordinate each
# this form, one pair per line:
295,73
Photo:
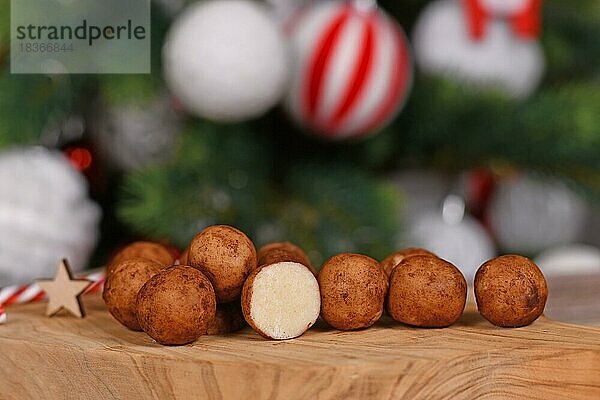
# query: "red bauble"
523,16
352,69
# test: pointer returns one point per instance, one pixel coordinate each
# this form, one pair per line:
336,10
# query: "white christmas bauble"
45,215
528,215
453,236
443,46
505,7
286,8
421,190
352,69
571,259
133,136
226,60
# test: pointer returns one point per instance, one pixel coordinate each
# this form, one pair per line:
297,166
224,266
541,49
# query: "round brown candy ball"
122,286
426,291
226,256
511,291
283,251
394,259
353,289
183,258
228,319
176,306
149,250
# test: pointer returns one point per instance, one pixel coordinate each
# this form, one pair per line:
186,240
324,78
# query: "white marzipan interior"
285,300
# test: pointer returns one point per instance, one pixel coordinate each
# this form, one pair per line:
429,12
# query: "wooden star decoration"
64,292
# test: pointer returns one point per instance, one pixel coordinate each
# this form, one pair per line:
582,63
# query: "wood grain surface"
96,358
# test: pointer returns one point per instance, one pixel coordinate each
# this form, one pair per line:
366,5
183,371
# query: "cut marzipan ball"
281,300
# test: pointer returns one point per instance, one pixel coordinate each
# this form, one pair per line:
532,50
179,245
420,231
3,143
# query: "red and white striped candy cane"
19,294
2,315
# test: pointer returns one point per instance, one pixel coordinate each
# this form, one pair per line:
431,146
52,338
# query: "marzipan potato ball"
283,251
353,289
122,286
511,291
226,256
183,258
281,300
394,259
176,306
228,319
149,250
426,291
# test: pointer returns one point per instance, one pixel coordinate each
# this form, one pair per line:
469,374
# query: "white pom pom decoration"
45,215
444,45
226,60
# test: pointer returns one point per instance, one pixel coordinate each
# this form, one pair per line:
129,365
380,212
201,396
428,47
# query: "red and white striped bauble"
352,69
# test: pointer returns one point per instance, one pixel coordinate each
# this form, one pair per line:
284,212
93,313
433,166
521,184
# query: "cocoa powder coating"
122,286
426,291
511,291
148,250
353,289
390,262
226,256
176,306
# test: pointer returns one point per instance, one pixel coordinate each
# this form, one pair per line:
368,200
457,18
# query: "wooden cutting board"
96,358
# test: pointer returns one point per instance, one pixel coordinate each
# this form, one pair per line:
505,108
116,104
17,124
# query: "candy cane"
20,294
2,315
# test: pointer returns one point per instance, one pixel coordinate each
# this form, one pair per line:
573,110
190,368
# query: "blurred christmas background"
471,128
